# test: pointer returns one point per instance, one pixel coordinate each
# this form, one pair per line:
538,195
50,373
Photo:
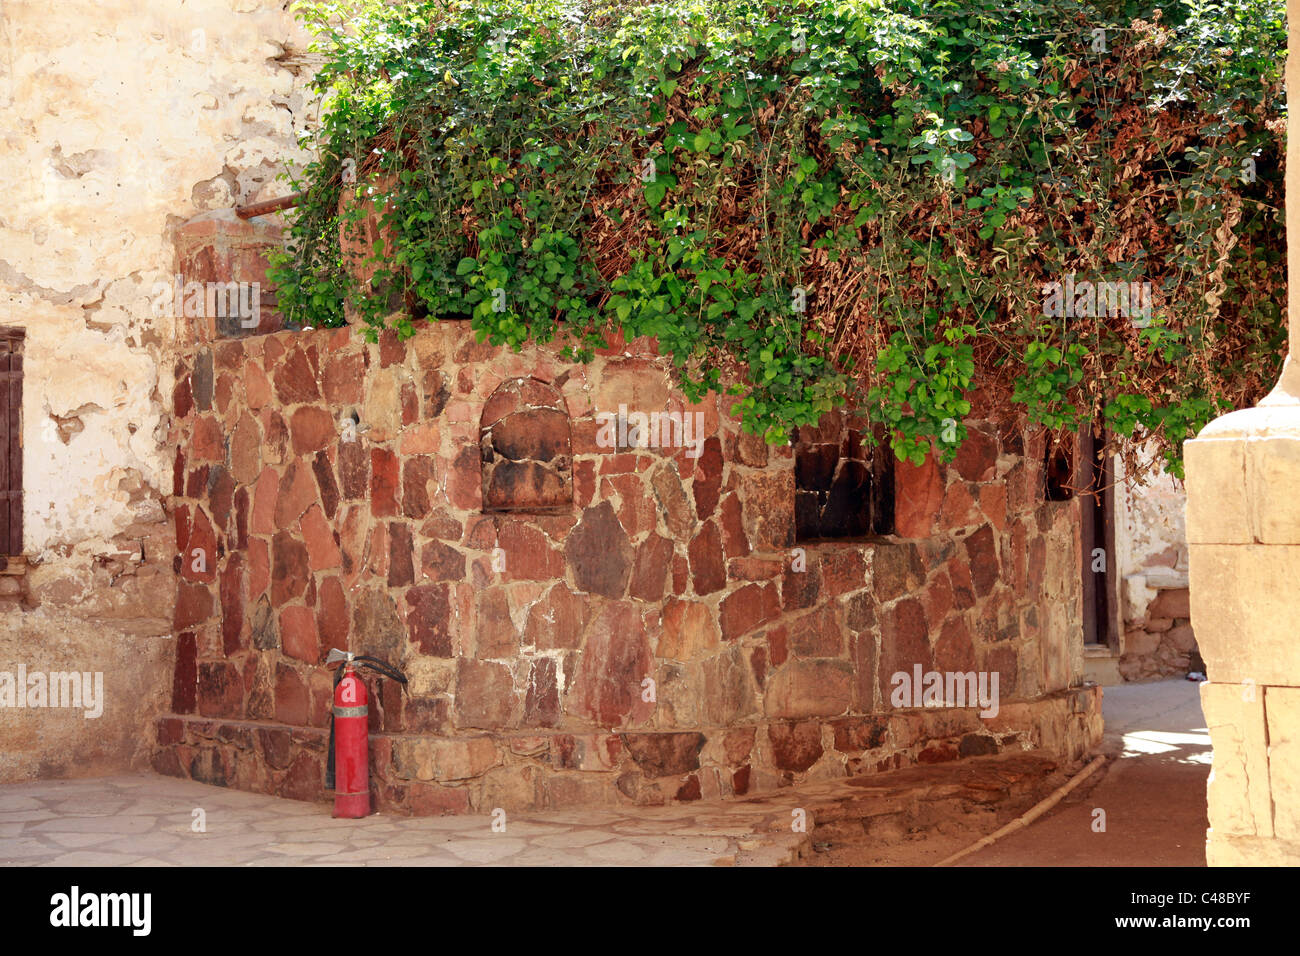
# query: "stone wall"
126,119
196,109
614,623
1162,643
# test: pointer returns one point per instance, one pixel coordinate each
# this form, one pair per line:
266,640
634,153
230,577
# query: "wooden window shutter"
11,445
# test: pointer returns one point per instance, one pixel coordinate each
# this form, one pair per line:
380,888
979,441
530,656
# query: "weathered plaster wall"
1151,561
1150,535
121,119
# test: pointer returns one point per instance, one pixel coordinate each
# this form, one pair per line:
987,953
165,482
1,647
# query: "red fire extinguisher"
348,773
351,746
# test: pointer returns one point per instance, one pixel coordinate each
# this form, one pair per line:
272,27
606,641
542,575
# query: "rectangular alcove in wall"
1077,471
844,482
11,446
1101,616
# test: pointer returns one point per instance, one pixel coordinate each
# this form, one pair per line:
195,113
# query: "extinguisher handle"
379,667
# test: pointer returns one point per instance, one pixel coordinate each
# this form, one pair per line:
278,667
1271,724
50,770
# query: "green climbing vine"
1070,206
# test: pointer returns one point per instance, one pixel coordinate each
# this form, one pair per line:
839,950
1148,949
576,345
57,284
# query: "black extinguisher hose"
359,660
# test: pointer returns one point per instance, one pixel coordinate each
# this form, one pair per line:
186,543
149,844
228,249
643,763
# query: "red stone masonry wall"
581,624
335,491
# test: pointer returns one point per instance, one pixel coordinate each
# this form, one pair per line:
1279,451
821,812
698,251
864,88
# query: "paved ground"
1153,794
1154,797
148,821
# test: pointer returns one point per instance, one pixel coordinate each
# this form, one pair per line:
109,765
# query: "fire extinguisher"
347,772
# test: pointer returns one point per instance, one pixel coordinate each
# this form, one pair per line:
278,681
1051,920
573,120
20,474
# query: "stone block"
688,631
809,688
665,755
1282,714
485,695
599,552
1243,609
1171,604
747,608
423,758
795,746
606,688
1240,801
768,508
918,497
708,563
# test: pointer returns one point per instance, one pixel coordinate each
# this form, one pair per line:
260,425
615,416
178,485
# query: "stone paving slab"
148,820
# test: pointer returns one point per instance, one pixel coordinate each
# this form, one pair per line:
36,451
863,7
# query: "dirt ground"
1144,807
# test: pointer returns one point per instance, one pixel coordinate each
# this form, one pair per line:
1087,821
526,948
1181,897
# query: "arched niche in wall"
527,448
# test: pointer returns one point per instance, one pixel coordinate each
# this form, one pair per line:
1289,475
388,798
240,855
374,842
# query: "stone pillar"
1243,532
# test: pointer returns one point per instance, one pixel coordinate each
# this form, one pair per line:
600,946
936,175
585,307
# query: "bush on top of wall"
1074,205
